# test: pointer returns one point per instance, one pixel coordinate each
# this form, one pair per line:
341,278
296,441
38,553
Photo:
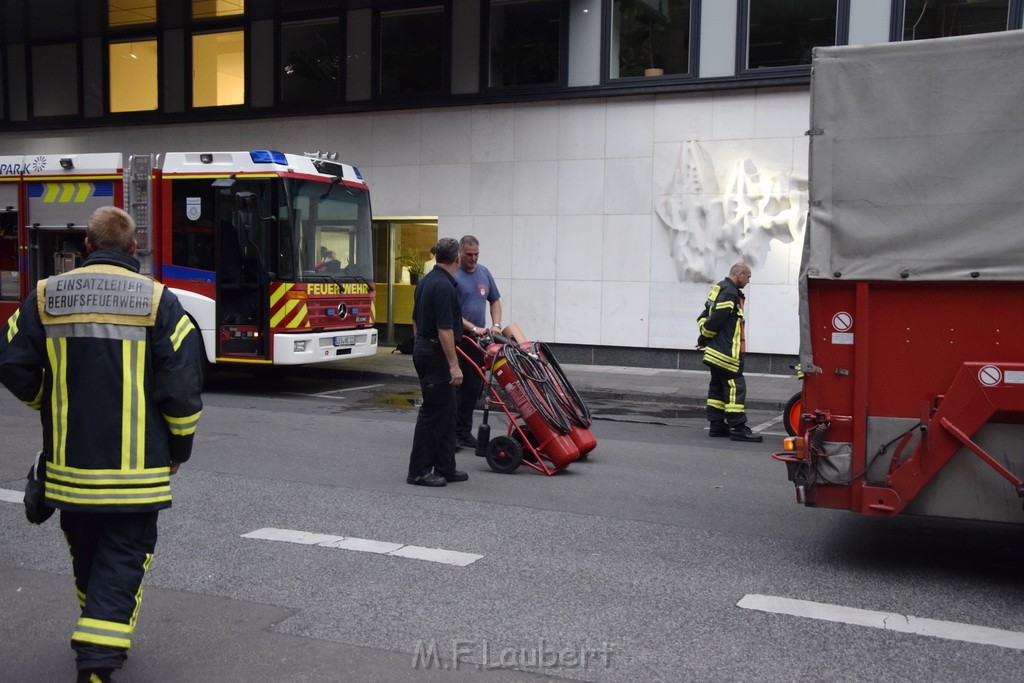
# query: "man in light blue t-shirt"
477,291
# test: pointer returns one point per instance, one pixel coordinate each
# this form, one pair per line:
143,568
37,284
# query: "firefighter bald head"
110,228
740,274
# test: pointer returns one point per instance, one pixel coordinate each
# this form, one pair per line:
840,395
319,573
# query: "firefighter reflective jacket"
721,326
111,361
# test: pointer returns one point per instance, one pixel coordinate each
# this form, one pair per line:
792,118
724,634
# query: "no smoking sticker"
842,321
990,375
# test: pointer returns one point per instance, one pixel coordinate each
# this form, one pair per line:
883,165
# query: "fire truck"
912,282
270,253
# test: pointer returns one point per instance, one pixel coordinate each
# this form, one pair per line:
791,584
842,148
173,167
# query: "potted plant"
410,258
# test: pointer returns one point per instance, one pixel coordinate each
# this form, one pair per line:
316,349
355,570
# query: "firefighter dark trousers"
433,441
110,553
472,385
726,393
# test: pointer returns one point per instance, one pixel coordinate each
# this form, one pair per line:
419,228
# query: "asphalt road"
626,567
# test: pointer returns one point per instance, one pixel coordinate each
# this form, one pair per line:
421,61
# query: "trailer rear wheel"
504,455
791,414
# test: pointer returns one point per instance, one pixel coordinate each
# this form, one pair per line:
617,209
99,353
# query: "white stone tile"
396,139
491,188
536,132
627,186
454,226
663,267
733,114
580,186
533,247
625,313
627,248
493,133
783,112
351,136
630,128
666,167
577,312
674,310
533,308
773,324
396,191
443,189
446,136
678,118
535,188
581,130
580,247
495,236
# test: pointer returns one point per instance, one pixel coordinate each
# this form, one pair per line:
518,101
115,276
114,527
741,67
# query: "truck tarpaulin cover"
916,163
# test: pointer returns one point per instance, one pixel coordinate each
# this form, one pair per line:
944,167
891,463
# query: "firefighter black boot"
742,433
719,428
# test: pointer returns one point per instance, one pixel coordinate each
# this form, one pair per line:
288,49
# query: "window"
218,69
943,18
55,80
782,32
650,37
310,61
130,12
525,42
208,9
133,76
412,51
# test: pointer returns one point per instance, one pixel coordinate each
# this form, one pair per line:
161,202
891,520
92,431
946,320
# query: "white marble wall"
562,196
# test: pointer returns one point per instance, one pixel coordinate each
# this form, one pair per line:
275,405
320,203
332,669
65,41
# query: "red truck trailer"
912,281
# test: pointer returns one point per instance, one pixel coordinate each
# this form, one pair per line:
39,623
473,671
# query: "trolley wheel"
525,445
504,455
791,414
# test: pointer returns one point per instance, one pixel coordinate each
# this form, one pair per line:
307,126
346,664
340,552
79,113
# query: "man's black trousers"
472,384
110,553
433,442
727,392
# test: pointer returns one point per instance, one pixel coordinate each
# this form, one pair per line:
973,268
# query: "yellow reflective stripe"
119,496
56,350
99,632
715,403
110,477
279,291
720,359
301,317
737,340
12,325
133,405
138,593
37,402
183,426
283,311
181,330
725,304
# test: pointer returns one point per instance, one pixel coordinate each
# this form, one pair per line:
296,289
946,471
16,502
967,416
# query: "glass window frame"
563,54
897,24
446,51
280,26
190,83
743,36
109,80
133,25
234,16
607,58
30,76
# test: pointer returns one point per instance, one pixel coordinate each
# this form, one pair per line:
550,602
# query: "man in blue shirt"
436,319
477,292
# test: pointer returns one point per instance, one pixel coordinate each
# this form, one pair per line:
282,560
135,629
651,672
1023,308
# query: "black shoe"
469,441
719,428
457,475
94,676
428,479
743,433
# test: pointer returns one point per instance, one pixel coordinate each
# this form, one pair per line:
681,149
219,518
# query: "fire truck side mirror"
246,209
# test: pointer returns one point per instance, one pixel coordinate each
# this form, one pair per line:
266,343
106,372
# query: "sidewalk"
634,384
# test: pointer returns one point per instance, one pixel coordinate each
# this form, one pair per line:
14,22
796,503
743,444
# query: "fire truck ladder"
979,391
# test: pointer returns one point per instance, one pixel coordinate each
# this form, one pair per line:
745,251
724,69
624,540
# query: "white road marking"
9,496
889,621
327,394
767,425
365,545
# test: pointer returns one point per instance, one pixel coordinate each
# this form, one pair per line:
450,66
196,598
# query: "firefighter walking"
112,362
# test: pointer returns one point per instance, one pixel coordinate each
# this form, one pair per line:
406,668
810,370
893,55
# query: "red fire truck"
912,282
270,253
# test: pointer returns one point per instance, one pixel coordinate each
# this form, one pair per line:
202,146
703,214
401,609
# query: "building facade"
612,156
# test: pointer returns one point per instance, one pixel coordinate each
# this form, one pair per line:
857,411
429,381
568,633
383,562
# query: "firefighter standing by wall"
722,338
112,362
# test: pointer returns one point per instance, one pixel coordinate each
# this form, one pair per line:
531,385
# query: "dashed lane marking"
888,621
767,425
9,496
327,394
365,545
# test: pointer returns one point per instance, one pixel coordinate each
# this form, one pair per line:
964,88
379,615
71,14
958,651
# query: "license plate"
347,340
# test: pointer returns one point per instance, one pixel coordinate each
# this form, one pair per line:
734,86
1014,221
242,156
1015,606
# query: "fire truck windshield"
333,232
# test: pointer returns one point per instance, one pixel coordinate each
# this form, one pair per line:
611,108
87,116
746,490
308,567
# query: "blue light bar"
358,174
268,156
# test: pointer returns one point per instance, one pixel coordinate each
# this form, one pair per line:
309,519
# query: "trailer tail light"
795,446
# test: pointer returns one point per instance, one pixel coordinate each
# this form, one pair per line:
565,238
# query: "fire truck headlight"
300,346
